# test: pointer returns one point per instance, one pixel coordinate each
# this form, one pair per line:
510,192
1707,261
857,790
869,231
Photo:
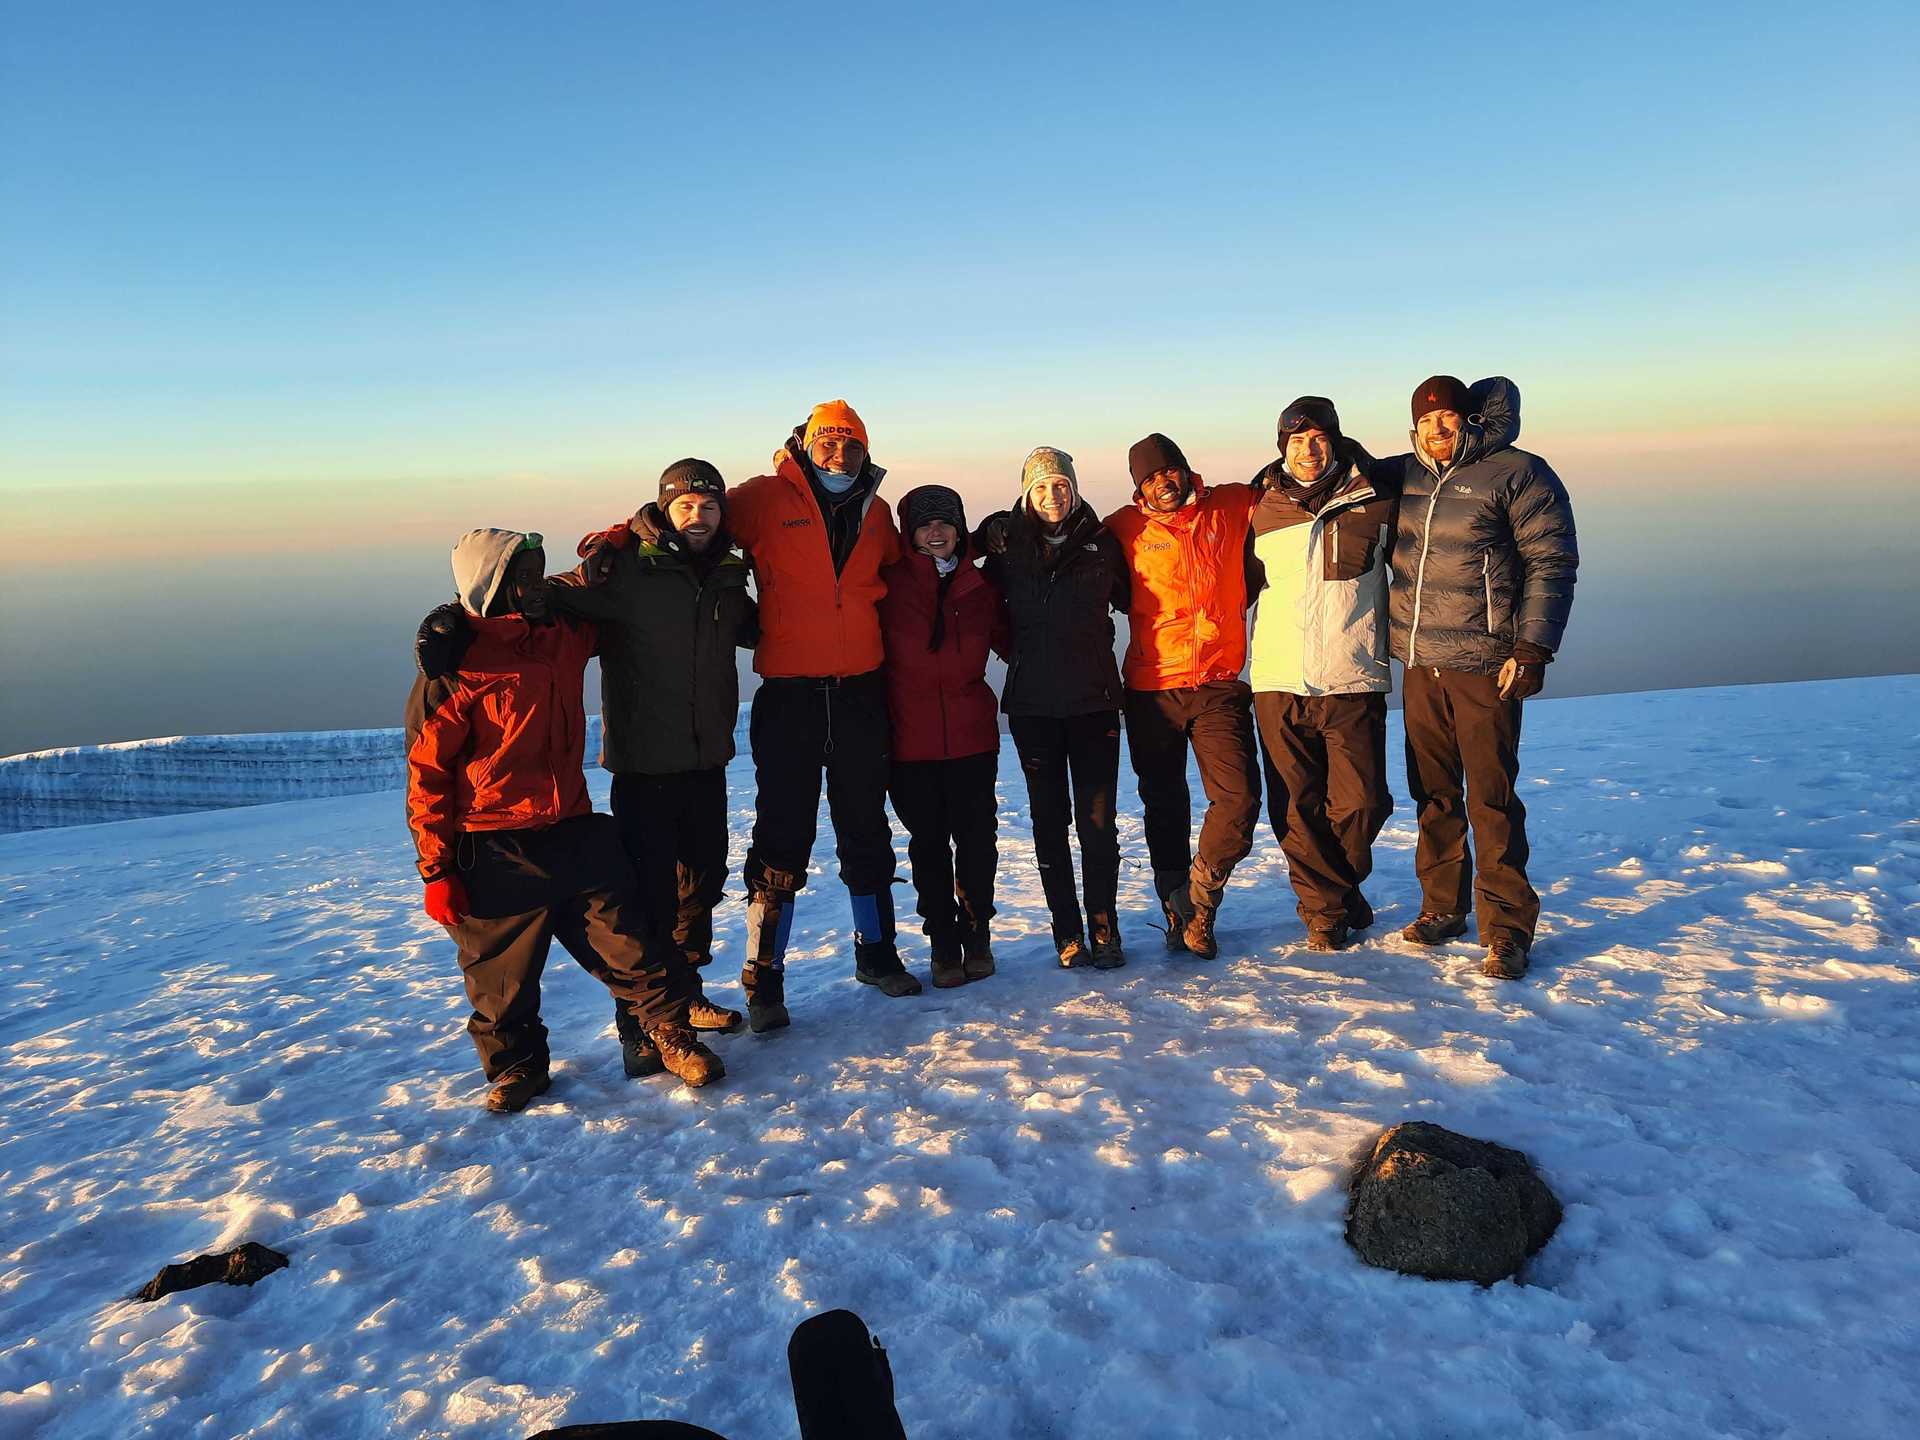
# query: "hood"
480,561
1494,424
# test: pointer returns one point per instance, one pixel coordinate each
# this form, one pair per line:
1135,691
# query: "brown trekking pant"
1460,730
1216,721
569,882
1328,754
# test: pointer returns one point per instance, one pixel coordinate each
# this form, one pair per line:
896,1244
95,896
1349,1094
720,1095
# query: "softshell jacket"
940,702
1485,553
497,745
1059,604
813,621
1319,589
1188,617
669,623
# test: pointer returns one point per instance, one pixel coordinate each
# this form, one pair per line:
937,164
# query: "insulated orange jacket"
1189,609
497,745
812,621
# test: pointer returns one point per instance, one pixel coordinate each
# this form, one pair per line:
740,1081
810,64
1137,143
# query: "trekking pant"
571,882
802,728
1459,729
1217,721
674,828
951,815
1329,754
1083,750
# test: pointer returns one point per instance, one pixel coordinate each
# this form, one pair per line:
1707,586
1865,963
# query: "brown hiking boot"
1434,929
516,1090
703,1014
977,957
949,969
1198,937
1327,937
1506,958
683,1055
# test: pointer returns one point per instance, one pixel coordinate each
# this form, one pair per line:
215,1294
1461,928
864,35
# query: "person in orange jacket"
1185,547
818,541
509,846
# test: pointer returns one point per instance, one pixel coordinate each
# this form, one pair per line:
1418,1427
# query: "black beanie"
1441,392
931,502
691,477
1310,412
1152,455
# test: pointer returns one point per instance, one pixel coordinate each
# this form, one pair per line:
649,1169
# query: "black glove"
991,537
441,641
1525,672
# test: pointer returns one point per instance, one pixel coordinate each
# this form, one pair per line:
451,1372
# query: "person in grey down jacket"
1483,561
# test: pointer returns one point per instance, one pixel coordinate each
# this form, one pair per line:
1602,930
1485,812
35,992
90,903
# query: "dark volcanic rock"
1427,1201
241,1265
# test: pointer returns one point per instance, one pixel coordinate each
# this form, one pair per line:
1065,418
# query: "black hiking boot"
1432,929
1073,953
766,988
949,963
1178,909
683,1055
976,955
1108,954
516,1090
1506,958
638,1057
1325,937
876,959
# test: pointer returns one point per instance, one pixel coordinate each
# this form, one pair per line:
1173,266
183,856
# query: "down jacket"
1319,587
1059,604
1485,553
939,700
1188,621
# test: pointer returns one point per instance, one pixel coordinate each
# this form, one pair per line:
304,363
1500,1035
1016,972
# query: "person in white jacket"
1317,576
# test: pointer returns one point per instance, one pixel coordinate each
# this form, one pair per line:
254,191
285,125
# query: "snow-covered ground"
1071,1204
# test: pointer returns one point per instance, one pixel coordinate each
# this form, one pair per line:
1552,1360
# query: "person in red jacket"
939,618
509,846
1185,546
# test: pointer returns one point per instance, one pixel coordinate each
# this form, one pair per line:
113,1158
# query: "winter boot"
1107,951
1176,903
764,976
976,950
1073,952
1506,958
876,960
1324,936
949,962
637,1055
683,1055
1204,893
703,1014
1435,929
517,1089
1359,913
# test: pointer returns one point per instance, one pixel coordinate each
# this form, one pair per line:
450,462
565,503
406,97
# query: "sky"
292,296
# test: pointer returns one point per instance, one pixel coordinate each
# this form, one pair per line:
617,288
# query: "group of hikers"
871,640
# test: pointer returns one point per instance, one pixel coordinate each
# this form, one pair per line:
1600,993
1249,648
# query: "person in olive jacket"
1484,561
939,619
672,608
1063,575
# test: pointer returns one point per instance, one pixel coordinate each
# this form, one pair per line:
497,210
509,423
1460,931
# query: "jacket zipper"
1486,577
1420,577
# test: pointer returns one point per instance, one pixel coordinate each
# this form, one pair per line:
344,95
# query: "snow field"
1071,1204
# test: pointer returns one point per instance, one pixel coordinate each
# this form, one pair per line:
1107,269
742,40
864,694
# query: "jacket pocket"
1351,549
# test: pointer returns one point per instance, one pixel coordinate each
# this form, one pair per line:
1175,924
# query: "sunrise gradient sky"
293,295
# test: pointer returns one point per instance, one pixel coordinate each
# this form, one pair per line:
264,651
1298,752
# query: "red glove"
447,900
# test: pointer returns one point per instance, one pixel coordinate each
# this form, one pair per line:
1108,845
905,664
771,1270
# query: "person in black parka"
1484,559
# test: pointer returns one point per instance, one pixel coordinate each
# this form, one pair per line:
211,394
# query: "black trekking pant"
952,817
802,729
1328,754
1081,752
569,882
674,828
1216,720
1463,768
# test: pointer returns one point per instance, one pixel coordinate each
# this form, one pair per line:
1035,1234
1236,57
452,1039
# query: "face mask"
834,481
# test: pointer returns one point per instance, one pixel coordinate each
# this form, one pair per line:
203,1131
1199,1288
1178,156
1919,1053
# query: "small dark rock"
241,1265
1427,1201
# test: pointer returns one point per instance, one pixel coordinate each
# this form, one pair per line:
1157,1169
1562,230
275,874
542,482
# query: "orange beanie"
835,417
